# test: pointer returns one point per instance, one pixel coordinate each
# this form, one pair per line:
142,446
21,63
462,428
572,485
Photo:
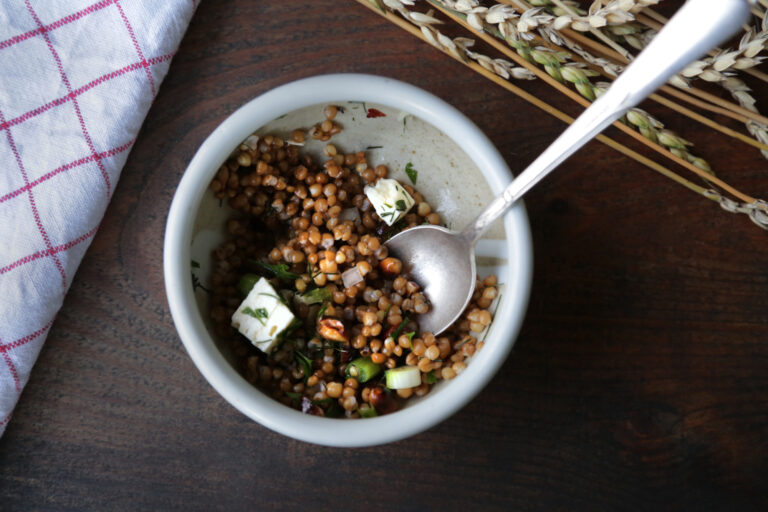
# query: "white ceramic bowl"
459,172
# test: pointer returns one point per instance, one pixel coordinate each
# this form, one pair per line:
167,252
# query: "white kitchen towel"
77,78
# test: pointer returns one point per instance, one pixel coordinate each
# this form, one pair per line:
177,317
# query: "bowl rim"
201,347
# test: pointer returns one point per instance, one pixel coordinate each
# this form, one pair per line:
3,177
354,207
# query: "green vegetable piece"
246,283
431,378
279,271
403,377
400,204
316,296
363,369
412,173
367,412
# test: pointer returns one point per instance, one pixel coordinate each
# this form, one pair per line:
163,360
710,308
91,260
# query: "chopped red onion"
351,277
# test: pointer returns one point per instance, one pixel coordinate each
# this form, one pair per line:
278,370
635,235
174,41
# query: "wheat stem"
553,111
677,151
719,105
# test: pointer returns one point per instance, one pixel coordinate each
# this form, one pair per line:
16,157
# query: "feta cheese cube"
262,316
389,199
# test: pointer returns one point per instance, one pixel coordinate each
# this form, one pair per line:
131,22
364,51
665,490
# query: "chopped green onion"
400,328
246,283
363,369
410,337
400,204
195,264
322,310
431,378
403,377
366,411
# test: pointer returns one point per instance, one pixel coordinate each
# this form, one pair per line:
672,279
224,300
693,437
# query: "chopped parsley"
197,284
279,271
259,314
412,173
400,205
431,378
305,362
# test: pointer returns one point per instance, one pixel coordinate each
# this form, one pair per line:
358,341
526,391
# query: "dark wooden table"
639,382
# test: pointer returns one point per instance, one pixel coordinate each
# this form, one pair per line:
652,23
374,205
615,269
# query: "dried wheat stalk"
555,63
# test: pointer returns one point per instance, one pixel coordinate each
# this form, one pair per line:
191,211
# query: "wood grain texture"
639,382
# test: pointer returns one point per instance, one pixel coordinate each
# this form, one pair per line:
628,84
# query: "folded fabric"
76,81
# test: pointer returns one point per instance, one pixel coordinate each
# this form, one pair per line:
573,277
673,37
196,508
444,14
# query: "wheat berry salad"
316,311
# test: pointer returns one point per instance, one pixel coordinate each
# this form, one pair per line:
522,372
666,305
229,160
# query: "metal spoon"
443,261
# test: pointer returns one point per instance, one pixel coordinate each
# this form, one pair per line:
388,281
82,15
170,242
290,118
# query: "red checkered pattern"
76,81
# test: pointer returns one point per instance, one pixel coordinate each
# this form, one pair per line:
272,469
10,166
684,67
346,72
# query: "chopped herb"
313,272
431,378
340,108
259,314
195,264
400,328
305,362
388,214
462,342
316,296
395,229
412,173
197,284
338,346
373,147
334,410
410,337
360,103
322,310
293,396
400,204
279,271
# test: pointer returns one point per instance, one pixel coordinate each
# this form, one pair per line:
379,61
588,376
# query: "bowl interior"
447,177
448,160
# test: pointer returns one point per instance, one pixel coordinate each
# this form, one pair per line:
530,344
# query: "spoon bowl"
443,264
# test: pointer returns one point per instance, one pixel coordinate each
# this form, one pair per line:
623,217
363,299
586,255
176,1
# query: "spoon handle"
698,26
